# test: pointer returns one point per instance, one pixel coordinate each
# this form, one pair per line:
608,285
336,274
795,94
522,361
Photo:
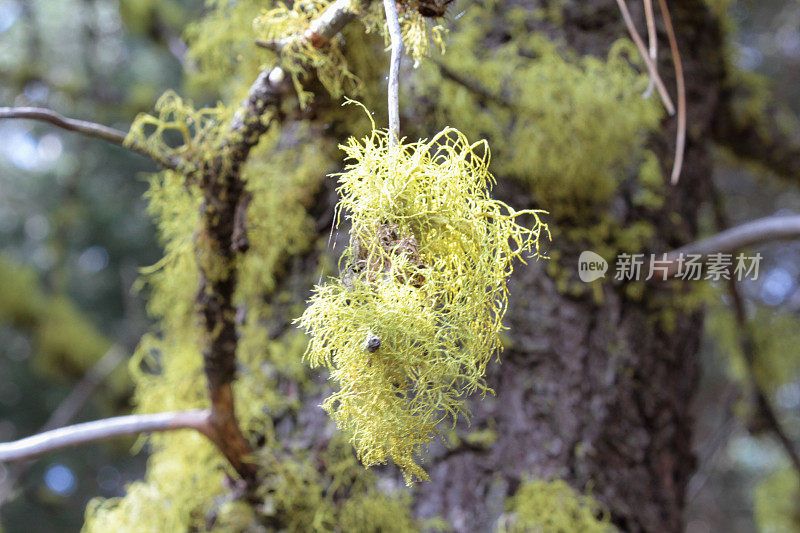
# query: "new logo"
591,266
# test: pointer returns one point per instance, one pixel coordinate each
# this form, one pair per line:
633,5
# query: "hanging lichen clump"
409,326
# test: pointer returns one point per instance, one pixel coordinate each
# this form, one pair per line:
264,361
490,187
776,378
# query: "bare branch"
680,141
83,127
78,434
394,70
652,40
651,67
774,228
755,232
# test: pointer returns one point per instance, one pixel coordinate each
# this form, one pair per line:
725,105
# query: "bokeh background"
74,234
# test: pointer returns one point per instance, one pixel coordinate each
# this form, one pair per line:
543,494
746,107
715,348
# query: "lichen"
776,502
409,326
178,129
553,507
572,128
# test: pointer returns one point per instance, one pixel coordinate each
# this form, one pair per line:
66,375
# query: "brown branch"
90,129
485,96
749,347
733,239
223,238
224,235
120,426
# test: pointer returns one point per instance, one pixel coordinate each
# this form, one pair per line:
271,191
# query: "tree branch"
90,129
390,7
484,95
78,434
733,239
749,348
224,236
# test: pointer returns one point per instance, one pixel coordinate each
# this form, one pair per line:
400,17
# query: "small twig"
651,67
27,448
69,408
652,40
484,95
83,127
394,70
680,141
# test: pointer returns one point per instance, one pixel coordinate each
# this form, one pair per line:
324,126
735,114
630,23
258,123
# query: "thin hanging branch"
680,140
90,129
394,70
652,40
120,426
651,67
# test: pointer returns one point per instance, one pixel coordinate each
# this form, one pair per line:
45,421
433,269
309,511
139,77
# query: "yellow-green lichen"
553,507
221,48
570,127
178,129
408,328
777,502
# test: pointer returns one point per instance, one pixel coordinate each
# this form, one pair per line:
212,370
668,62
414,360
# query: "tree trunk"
597,394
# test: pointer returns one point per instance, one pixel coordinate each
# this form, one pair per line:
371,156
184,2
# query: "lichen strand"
178,129
409,326
221,48
571,127
553,507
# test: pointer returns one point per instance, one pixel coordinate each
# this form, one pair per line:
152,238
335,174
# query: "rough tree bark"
597,394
